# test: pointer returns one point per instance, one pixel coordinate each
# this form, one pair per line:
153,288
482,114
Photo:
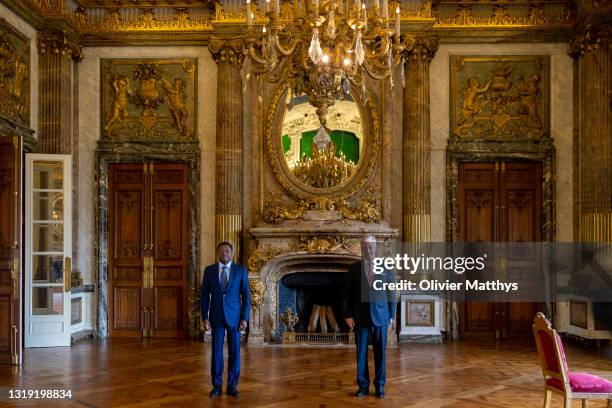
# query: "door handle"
67,274
15,276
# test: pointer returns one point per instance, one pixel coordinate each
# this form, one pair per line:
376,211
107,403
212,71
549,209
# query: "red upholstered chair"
557,376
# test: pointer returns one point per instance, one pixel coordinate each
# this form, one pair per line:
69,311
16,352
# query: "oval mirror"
317,156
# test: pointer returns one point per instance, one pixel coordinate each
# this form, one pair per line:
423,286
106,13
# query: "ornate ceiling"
171,21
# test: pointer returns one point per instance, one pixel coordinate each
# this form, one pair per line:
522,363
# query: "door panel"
48,249
126,243
10,237
171,249
500,202
149,239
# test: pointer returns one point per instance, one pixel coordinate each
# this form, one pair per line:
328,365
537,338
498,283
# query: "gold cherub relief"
502,97
121,85
149,99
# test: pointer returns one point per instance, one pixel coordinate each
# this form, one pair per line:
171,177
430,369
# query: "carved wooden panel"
126,237
14,74
170,196
168,308
126,308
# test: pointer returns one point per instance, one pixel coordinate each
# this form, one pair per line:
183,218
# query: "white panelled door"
48,249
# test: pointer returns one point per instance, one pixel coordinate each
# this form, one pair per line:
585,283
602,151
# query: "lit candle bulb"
385,10
397,21
316,6
267,5
365,14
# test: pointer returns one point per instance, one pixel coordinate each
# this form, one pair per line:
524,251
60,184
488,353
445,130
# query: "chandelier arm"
253,55
293,43
377,55
369,67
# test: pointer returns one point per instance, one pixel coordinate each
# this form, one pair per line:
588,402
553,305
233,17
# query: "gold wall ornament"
14,74
274,211
366,210
368,109
257,288
227,50
500,97
58,42
260,257
592,38
148,99
473,14
320,244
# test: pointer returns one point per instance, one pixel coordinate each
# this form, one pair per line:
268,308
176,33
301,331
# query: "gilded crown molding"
420,47
58,42
591,38
227,50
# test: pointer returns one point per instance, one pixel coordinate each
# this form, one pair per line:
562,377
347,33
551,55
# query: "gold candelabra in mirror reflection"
324,169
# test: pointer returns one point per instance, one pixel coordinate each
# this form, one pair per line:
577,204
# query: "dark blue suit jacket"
229,306
368,307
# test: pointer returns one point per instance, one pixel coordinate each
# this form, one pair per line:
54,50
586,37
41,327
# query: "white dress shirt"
229,267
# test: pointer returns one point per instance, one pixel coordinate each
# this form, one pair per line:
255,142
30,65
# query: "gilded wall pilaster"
593,134
416,139
56,113
229,149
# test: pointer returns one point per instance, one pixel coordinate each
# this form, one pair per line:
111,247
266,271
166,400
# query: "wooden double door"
500,202
148,254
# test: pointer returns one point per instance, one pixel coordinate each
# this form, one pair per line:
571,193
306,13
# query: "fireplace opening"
315,298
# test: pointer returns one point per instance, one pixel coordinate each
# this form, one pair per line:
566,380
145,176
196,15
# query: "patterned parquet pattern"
175,373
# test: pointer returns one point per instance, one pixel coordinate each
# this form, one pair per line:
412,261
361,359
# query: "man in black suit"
370,312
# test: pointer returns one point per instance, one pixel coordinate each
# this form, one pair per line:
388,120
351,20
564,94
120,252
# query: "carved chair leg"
567,402
547,398
585,403
610,403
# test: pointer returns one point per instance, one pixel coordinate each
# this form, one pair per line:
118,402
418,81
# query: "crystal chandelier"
324,46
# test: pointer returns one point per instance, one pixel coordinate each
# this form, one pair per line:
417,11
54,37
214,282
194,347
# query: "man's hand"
391,324
243,325
350,322
206,325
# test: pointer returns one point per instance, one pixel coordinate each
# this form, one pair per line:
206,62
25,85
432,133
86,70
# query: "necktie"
224,277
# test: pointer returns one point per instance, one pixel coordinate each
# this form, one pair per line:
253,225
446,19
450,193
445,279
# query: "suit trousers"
378,334
233,360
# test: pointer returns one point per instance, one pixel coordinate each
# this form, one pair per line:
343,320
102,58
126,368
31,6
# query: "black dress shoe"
380,392
215,392
232,391
362,392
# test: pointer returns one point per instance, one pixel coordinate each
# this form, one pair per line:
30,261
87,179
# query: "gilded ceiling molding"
58,42
420,47
227,50
590,39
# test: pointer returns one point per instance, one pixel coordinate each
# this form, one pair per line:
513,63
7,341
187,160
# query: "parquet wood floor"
175,373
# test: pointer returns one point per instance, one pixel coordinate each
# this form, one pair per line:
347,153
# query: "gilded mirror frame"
291,184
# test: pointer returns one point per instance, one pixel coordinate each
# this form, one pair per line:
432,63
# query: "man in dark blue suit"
225,303
370,312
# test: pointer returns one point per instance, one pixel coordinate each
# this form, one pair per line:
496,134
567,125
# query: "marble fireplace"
298,269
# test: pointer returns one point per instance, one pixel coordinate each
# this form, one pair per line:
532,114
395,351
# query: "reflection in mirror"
318,156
